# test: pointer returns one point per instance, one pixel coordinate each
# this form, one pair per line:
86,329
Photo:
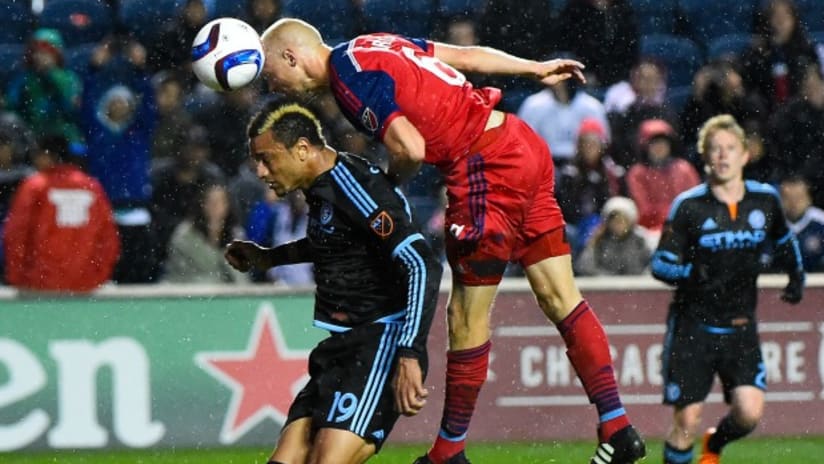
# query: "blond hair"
715,124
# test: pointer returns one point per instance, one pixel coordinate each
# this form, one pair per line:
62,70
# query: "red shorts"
502,205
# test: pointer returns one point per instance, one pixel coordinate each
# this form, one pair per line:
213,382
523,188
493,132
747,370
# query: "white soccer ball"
227,54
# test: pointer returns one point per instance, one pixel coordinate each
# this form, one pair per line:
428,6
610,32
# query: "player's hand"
794,290
244,256
410,394
558,70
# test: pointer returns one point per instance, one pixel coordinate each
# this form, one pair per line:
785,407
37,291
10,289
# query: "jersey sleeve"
669,260
787,253
385,217
364,77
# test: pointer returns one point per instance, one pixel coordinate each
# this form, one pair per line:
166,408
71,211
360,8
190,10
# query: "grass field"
749,451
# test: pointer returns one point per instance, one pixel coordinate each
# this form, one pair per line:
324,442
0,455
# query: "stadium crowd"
113,79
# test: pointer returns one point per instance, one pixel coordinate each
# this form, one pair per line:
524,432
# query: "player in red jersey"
410,94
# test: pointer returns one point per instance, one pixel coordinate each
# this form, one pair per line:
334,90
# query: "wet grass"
749,451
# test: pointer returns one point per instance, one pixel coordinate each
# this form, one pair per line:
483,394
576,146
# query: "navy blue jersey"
727,243
370,263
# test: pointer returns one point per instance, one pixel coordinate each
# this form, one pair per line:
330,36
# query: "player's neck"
318,69
730,191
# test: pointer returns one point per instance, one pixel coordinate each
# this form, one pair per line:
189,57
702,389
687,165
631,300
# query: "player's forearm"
485,60
423,271
666,266
788,255
294,252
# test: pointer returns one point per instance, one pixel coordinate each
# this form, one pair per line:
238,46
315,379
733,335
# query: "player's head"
283,136
722,145
293,49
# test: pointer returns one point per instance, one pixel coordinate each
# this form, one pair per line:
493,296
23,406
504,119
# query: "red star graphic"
264,379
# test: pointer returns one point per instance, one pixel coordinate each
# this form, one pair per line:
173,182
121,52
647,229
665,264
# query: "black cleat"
459,458
624,447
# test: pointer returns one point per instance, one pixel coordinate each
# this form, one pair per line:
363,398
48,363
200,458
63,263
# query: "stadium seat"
79,21
655,16
450,8
336,19
412,18
15,21
232,8
817,37
680,55
77,57
11,55
728,45
145,18
811,13
711,19
677,97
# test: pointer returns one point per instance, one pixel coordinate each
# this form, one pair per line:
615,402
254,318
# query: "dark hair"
198,213
55,145
288,122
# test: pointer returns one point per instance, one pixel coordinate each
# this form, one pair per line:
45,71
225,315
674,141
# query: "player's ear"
290,58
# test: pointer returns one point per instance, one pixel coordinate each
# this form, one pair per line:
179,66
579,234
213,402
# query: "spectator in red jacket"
661,175
60,231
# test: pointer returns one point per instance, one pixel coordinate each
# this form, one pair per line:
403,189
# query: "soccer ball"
227,54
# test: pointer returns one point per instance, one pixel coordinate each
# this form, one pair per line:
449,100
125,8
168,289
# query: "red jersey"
60,232
378,77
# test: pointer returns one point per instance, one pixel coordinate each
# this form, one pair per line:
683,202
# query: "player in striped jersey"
377,288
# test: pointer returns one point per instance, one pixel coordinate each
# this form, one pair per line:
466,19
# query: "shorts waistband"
490,135
718,330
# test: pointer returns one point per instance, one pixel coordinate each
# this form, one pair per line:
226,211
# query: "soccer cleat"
459,458
707,456
624,447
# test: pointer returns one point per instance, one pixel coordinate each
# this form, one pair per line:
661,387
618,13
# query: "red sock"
465,374
588,351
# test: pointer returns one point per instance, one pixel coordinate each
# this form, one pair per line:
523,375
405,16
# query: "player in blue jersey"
710,249
377,288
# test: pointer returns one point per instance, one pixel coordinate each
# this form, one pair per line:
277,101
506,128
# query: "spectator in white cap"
617,247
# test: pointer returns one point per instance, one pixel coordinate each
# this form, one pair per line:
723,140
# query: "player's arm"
244,255
487,60
407,149
668,262
787,254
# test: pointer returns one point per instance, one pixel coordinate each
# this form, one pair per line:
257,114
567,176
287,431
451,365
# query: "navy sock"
727,431
673,455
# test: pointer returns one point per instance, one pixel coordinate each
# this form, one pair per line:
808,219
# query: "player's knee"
687,423
748,419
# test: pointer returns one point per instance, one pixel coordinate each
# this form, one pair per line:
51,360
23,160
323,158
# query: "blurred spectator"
654,182
718,88
173,49
585,184
275,221
556,113
260,14
46,94
617,247
119,117
14,148
523,28
177,184
246,190
603,34
225,120
805,220
196,249
774,63
60,231
649,82
174,122
796,134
